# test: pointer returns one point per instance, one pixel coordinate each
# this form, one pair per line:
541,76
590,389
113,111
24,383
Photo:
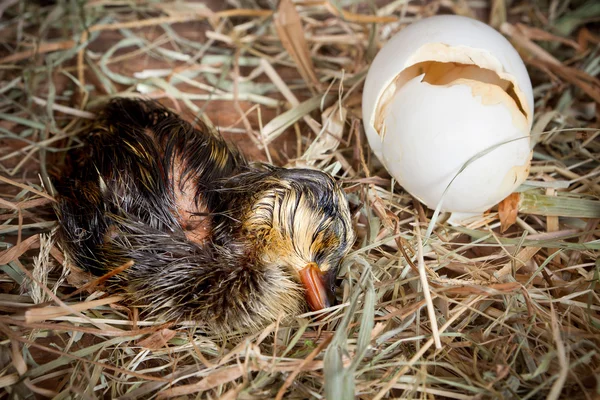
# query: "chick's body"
211,238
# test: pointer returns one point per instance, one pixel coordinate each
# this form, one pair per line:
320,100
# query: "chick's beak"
318,292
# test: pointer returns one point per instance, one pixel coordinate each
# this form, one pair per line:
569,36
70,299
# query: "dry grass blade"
519,261
523,41
426,292
40,49
533,203
557,386
290,31
216,378
358,18
9,380
16,251
277,126
158,339
45,313
28,188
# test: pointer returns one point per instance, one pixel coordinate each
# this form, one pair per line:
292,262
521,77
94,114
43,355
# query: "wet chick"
212,238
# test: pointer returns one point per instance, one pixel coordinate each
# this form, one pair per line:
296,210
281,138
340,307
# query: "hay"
514,307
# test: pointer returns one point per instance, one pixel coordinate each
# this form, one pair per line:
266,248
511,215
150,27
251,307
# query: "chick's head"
299,221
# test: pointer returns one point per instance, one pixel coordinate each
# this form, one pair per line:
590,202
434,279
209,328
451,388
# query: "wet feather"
213,238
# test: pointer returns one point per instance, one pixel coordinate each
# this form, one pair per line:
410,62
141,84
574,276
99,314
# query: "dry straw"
511,307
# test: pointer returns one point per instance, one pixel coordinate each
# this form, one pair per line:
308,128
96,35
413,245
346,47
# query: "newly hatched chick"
212,238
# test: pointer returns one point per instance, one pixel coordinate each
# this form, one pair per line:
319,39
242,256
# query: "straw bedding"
513,305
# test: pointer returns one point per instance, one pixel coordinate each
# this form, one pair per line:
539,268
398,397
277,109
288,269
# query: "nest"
507,307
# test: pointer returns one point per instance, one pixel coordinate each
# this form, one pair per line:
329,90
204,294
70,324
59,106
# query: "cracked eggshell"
438,93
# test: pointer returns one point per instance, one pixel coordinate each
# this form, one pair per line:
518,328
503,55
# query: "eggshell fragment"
446,90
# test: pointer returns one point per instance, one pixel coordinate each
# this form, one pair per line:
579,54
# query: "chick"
212,238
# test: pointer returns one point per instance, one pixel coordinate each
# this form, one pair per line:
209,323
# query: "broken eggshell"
445,92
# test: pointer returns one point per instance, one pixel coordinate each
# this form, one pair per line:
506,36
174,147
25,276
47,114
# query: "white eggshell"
447,126
424,133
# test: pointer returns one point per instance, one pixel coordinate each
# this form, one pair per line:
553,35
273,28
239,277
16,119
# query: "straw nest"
513,305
